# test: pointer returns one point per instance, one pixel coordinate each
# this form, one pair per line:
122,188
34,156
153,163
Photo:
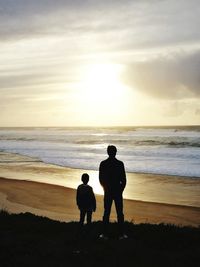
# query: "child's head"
85,178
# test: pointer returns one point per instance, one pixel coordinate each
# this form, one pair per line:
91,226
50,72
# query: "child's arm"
78,197
94,201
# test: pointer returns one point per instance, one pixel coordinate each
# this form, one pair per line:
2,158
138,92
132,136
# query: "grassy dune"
29,240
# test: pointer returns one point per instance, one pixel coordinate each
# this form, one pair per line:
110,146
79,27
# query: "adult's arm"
93,200
101,175
123,177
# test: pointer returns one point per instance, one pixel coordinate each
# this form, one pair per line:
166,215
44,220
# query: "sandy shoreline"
27,184
58,202
173,190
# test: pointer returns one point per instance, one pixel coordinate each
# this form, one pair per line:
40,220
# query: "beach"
57,202
30,185
19,194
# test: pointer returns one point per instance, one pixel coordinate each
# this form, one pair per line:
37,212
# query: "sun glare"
102,93
103,83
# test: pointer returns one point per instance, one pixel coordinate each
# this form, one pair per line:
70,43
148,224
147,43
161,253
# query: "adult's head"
112,151
85,178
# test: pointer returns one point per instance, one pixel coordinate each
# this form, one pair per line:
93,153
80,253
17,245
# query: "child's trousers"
84,213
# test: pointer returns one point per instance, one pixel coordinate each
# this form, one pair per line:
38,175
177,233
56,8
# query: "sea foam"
171,151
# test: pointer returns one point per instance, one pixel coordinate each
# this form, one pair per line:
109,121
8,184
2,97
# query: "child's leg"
89,217
82,216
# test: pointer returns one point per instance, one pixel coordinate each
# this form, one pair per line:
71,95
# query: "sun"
102,83
102,94
102,75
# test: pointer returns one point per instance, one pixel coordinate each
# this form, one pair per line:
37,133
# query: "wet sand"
58,202
183,191
29,185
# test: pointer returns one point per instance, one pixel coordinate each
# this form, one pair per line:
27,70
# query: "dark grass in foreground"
29,240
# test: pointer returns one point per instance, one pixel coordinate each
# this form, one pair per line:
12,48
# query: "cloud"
173,76
197,111
175,108
121,24
49,16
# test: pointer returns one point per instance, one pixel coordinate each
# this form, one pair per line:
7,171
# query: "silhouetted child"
85,200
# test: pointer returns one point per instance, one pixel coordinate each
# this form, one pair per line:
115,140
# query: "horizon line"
103,126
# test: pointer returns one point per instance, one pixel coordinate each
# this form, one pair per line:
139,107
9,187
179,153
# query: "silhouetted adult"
112,177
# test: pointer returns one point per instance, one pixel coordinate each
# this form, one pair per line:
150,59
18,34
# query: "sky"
99,63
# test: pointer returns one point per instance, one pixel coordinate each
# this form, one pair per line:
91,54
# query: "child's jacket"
85,198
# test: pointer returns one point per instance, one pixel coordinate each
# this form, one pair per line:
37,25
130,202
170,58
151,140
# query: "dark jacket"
85,198
112,175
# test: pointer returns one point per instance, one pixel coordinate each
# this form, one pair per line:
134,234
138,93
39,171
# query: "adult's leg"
107,208
118,199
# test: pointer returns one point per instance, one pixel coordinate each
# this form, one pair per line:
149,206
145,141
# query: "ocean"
168,159
158,150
